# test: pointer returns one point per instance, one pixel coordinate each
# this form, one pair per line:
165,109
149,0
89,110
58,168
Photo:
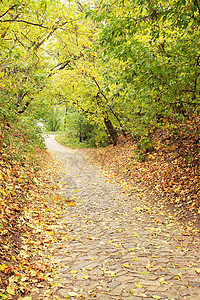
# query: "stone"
194,283
114,284
63,292
117,291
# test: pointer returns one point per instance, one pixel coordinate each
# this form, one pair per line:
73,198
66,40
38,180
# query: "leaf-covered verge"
165,174
25,215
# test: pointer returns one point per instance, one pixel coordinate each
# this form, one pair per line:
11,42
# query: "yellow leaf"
10,291
138,285
13,258
137,208
178,276
73,271
3,267
71,203
126,265
117,245
51,232
113,275
148,266
156,297
197,270
162,281
135,259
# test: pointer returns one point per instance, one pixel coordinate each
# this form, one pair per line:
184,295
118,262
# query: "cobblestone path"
116,247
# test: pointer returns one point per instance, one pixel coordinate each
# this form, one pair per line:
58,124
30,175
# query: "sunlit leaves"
23,70
158,46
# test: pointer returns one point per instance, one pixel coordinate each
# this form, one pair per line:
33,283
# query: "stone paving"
116,247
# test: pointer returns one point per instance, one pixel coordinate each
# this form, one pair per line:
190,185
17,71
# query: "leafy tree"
76,77
130,67
156,45
25,28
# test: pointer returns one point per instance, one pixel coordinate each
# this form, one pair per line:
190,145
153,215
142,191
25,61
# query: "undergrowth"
71,142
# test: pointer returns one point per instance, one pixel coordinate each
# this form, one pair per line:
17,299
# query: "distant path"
114,249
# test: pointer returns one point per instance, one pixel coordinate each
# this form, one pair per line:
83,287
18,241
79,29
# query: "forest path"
115,247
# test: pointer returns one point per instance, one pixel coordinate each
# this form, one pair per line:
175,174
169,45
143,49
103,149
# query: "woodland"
120,79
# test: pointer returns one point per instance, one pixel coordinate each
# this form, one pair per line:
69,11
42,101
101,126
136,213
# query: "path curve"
116,248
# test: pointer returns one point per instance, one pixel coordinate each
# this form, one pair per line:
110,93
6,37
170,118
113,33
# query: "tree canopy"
124,66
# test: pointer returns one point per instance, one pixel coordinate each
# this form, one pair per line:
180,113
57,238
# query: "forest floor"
110,244
88,236
162,180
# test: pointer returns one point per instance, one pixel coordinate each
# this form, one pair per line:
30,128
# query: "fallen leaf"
126,265
135,259
197,270
178,276
73,271
131,249
4,232
3,267
10,290
148,266
138,285
3,296
162,281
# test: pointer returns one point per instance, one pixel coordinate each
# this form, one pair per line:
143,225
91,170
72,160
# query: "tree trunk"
111,131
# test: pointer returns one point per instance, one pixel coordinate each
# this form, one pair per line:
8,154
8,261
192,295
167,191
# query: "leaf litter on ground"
168,179
31,206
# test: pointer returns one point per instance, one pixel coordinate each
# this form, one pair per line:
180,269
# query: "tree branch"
24,107
116,116
10,8
62,65
46,38
26,22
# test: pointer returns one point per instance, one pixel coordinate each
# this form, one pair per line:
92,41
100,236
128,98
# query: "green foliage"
19,140
119,66
144,146
154,47
81,131
53,123
25,27
30,130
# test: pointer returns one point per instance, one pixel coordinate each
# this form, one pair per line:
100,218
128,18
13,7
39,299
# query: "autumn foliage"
168,176
20,186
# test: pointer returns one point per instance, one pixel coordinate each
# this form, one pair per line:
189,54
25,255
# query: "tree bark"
113,136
